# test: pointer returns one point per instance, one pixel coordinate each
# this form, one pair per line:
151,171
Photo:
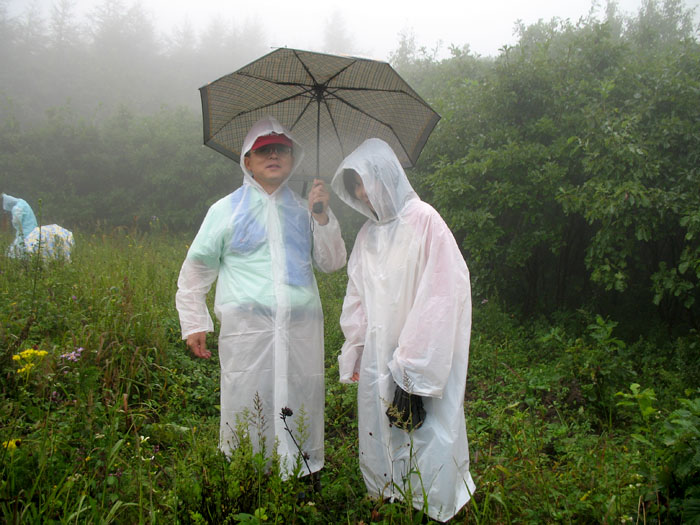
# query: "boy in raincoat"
261,242
407,321
23,221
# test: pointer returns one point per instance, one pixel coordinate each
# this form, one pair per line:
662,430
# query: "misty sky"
373,26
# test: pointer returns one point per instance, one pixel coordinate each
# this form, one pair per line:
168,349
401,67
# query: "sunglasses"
280,149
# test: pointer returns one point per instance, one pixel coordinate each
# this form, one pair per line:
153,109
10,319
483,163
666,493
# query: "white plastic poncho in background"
407,321
51,241
23,221
261,246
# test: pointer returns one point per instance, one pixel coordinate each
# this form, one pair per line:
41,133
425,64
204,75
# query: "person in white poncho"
407,321
262,241
23,221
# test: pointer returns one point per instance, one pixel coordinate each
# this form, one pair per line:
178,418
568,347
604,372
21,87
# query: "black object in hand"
406,412
317,207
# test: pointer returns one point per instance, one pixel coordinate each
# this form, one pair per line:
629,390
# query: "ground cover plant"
105,418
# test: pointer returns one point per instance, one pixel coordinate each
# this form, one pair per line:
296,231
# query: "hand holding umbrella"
318,201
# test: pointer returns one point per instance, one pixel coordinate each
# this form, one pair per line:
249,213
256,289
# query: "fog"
93,57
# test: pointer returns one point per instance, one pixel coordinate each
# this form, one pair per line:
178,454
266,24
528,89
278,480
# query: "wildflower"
28,359
11,444
25,369
74,355
284,414
73,297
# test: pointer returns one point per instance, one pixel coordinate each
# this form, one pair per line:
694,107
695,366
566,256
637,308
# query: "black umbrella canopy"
330,103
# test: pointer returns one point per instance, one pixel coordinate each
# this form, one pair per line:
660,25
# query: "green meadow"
106,418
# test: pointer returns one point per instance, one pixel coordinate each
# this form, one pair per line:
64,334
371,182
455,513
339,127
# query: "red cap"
273,138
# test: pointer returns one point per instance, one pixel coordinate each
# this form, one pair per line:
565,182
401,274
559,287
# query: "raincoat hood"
384,179
8,202
266,126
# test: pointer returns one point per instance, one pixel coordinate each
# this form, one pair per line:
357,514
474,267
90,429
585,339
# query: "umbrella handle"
318,206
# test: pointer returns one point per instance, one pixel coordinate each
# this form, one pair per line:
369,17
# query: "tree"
567,167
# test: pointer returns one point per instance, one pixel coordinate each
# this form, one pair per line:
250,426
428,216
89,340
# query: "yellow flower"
28,358
25,369
11,444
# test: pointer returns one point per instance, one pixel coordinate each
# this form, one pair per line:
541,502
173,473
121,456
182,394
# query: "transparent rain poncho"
262,248
51,241
23,221
407,321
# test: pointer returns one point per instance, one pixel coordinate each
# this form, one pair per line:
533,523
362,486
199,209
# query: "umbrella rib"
335,128
307,89
341,71
301,114
258,108
308,71
415,97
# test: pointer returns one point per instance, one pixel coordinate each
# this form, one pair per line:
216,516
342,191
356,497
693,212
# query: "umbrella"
328,101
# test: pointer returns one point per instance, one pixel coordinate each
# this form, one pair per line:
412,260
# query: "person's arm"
193,285
198,273
353,322
329,249
437,322
329,252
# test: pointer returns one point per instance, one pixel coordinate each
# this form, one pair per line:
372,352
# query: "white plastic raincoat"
407,321
23,221
52,241
261,246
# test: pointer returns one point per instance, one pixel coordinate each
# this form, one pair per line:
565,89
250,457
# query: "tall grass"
116,423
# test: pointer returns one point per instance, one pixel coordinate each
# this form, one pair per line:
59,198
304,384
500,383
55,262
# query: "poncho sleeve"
198,273
439,319
17,213
353,322
329,249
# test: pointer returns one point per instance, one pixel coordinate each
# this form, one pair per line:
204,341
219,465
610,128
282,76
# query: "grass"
116,423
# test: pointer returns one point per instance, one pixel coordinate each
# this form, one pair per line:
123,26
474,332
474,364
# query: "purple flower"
74,355
286,412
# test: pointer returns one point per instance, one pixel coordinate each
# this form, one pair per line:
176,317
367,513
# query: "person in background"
407,321
261,242
23,221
